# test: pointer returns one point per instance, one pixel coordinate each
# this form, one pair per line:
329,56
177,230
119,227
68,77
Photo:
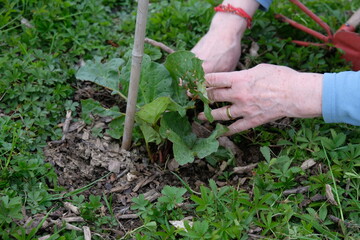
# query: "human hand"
263,94
219,49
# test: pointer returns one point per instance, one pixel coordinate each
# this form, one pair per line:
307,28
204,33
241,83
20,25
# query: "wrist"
311,99
234,23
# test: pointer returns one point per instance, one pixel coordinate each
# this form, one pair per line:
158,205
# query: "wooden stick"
137,55
159,45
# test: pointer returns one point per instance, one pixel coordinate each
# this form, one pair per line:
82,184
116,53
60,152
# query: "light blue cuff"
341,97
264,4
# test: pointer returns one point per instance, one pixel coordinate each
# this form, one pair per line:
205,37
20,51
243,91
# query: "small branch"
346,223
127,216
244,169
296,190
159,45
66,124
87,233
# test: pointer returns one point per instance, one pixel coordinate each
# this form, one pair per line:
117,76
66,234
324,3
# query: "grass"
38,63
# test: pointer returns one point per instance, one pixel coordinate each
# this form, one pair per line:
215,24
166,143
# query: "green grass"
37,72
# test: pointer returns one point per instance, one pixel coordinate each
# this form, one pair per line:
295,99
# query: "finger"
219,94
221,114
247,123
219,80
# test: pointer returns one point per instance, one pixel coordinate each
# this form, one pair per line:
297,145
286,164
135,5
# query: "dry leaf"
308,164
180,224
330,195
130,177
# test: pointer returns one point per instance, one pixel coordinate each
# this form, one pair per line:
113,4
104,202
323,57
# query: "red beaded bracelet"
238,11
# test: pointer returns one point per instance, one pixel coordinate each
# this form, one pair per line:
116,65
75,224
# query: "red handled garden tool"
345,38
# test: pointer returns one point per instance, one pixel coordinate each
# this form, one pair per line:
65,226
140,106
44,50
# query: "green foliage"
163,103
10,209
38,67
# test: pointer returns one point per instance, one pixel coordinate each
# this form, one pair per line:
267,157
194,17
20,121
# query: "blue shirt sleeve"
341,97
264,4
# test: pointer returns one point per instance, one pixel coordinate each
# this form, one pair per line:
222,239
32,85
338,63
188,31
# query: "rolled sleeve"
341,98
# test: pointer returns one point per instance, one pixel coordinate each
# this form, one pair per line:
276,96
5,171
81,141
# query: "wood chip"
70,207
346,223
317,198
144,183
120,188
127,216
152,195
87,233
68,226
26,23
44,237
73,219
296,190
244,169
114,166
77,126
131,177
330,195
308,164
173,165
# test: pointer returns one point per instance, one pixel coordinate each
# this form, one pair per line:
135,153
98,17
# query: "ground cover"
62,177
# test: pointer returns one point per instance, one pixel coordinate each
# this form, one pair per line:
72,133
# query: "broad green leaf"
91,106
155,81
149,133
185,67
186,146
152,112
104,74
206,146
116,127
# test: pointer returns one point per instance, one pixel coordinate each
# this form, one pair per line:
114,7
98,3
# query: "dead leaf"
114,166
330,195
308,164
244,169
180,224
130,177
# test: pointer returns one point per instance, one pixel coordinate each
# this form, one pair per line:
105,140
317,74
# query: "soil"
82,158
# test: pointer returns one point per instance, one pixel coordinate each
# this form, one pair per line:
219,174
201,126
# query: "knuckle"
210,78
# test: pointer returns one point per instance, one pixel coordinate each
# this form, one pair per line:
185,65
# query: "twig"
159,45
346,223
144,182
243,169
87,233
330,195
127,216
73,219
66,124
296,190
70,207
137,56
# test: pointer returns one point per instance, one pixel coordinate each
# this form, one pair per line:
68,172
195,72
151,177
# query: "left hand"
263,94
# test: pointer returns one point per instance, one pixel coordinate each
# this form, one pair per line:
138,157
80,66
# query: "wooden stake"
137,55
